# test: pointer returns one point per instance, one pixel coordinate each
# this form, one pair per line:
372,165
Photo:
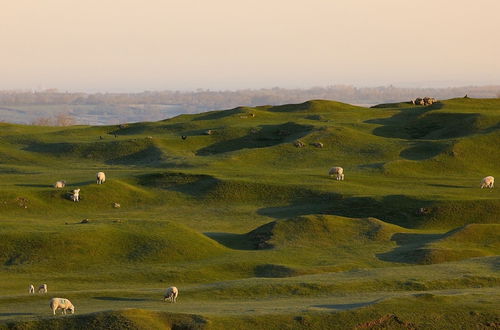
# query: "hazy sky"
124,45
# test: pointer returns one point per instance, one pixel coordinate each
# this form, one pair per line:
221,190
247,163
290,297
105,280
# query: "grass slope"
236,214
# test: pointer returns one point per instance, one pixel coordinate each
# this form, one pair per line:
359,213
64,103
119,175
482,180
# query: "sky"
132,46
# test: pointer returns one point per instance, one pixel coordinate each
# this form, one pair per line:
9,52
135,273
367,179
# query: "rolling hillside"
228,203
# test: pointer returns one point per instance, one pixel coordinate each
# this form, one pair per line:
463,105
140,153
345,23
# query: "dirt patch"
386,321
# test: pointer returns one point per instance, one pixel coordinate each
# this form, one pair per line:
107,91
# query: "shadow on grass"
409,247
232,241
446,185
396,209
266,136
119,299
416,123
34,185
348,306
15,314
422,150
396,126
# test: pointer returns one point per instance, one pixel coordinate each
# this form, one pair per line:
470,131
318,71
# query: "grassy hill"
236,207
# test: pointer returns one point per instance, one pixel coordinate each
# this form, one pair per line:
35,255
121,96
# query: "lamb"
101,177
171,294
31,289
60,184
63,304
42,288
338,171
487,182
75,195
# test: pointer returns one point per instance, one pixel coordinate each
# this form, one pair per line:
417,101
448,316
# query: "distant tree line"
200,100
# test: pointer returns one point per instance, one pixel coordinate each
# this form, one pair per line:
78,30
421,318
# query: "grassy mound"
140,151
314,106
473,240
448,214
263,136
210,188
321,231
103,243
470,241
123,319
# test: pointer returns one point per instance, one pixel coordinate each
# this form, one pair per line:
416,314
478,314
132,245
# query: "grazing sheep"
171,294
429,100
209,132
75,195
63,304
101,177
60,184
317,144
487,182
419,101
338,171
31,289
42,288
299,144
184,137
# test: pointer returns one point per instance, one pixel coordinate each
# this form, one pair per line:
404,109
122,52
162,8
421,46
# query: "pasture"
250,227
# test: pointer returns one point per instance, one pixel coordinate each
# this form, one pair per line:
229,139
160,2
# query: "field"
250,227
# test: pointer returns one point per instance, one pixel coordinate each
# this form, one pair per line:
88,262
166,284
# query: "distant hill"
44,107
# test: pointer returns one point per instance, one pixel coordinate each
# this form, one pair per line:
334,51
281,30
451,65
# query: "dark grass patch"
272,270
423,150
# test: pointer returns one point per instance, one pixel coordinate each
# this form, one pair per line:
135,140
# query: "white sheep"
338,171
63,304
487,182
60,184
171,294
75,195
31,289
101,177
42,288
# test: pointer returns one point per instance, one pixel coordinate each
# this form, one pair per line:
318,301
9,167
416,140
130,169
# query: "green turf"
250,227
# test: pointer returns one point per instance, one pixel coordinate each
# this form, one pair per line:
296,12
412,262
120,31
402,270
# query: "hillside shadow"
120,299
34,185
190,184
373,166
394,127
266,136
348,306
232,241
16,314
423,150
395,209
446,185
414,123
150,156
409,245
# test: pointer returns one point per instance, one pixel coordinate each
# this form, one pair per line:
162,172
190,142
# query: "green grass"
250,227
